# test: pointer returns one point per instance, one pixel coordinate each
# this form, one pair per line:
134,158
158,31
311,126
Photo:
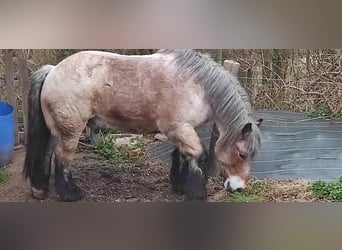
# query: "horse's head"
236,159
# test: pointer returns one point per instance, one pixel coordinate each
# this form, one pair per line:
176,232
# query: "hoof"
76,196
38,193
195,198
67,190
194,186
66,187
199,194
69,194
176,189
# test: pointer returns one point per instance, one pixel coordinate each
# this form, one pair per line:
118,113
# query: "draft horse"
170,91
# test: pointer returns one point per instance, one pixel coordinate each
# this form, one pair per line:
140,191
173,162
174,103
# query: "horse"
173,91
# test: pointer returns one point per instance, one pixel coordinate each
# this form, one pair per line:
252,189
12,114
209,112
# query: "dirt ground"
99,180
146,180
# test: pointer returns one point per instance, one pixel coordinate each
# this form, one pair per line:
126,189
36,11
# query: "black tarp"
293,147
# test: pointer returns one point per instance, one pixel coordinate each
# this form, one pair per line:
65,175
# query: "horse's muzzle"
234,184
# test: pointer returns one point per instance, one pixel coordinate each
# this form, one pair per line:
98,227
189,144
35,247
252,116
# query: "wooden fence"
10,74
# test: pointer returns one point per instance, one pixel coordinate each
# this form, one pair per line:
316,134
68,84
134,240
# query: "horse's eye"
242,156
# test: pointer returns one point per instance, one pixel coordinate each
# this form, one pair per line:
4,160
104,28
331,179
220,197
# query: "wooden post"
232,67
213,165
256,79
220,56
9,78
25,83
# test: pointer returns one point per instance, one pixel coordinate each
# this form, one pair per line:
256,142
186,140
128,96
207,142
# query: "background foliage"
304,80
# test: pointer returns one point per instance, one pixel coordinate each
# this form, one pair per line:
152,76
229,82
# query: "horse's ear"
258,123
247,129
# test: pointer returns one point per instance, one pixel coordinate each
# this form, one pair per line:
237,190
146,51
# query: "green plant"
4,175
118,154
328,190
244,197
20,115
258,187
255,192
320,111
323,111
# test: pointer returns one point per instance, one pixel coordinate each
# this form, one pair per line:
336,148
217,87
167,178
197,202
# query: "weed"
258,187
118,154
323,111
328,190
20,115
4,175
255,192
244,197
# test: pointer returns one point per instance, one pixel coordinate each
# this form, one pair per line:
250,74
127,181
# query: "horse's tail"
39,139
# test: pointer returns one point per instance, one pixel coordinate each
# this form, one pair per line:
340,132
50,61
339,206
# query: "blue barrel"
7,134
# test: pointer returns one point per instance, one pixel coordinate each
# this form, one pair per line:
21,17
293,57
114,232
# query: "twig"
292,104
280,78
272,101
305,92
18,147
86,145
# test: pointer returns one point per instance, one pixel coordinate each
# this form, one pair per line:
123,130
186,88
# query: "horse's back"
86,75
127,92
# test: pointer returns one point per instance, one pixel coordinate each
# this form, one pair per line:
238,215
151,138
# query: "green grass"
255,192
323,111
328,190
242,197
20,115
118,154
4,175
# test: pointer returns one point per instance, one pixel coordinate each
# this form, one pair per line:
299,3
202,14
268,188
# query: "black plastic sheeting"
293,147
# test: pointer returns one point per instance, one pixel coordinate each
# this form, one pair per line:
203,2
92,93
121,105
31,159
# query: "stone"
160,137
127,140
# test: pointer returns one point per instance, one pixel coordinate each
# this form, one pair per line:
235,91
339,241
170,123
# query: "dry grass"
289,190
265,191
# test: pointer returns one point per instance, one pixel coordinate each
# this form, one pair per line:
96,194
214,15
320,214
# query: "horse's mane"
228,99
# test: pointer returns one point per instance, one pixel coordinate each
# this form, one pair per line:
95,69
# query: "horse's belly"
133,127
130,124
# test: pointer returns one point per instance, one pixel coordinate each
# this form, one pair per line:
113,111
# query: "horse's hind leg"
41,177
66,188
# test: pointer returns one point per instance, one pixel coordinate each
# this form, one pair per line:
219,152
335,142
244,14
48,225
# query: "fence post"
9,78
25,88
257,79
213,165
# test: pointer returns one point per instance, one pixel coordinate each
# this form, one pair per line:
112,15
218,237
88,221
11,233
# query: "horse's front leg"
188,173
